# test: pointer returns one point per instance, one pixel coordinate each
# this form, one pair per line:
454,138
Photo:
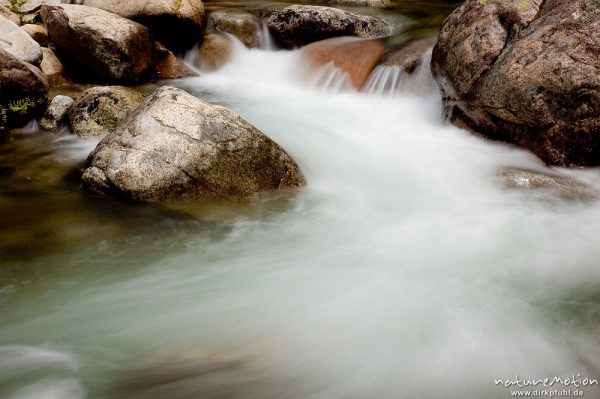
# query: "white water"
403,269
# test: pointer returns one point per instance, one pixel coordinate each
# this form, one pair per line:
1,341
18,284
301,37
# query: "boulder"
176,145
178,24
169,66
56,112
8,14
98,111
106,45
52,68
408,55
559,186
525,73
356,57
33,6
356,3
240,24
295,26
17,42
23,92
37,33
216,51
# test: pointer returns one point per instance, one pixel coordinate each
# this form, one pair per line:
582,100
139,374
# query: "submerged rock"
17,42
178,24
240,24
296,26
56,112
560,186
109,46
52,68
98,111
216,51
408,55
23,92
527,73
177,145
356,57
37,33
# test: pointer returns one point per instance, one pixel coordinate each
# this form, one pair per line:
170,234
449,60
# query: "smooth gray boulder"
98,111
297,25
56,112
23,92
176,145
17,42
106,45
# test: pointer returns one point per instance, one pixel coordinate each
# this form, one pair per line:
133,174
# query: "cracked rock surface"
176,145
525,72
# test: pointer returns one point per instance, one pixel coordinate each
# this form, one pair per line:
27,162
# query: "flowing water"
403,270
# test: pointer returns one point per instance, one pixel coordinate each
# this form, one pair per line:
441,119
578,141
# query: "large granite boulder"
295,26
23,92
106,45
17,42
525,72
98,111
178,24
177,145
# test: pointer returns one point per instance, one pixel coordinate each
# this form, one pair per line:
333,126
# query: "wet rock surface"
525,73
176,145
241,24
296,26
98,111
408,55
216,51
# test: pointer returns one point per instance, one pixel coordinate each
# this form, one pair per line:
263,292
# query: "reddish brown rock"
408,55
169,66
526,74
356,57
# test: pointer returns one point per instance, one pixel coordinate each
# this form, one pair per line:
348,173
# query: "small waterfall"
390,80
331,78
266,41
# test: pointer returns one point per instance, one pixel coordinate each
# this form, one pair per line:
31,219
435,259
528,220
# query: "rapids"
403,270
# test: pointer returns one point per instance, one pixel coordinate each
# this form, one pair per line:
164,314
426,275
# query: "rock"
356,57
356,3
215,52
56,112
178,24
16,41
563,187
240,24
296,26
408,55
99,110
177,145
37,33
526,75
110,47
8,14
23,92
168,66
32,6
53,70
